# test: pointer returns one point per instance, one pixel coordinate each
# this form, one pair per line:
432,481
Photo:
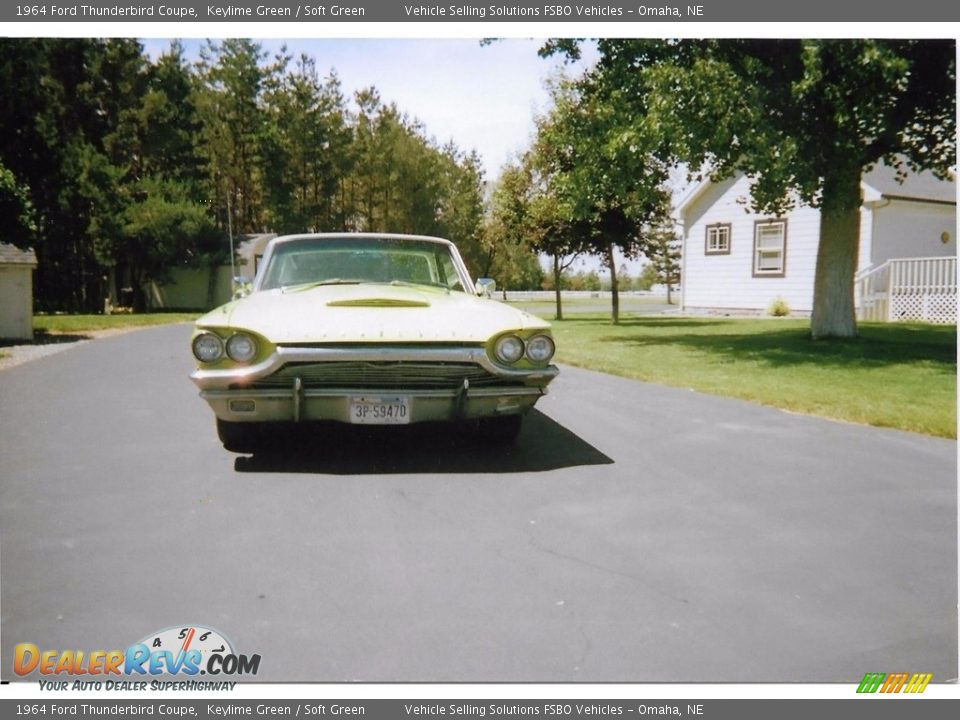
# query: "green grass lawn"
894,375
85,323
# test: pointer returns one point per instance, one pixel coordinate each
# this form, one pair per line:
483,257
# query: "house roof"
882,179
879,182
12,255
693,192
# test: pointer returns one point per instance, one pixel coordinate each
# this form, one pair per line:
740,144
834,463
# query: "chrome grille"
381,375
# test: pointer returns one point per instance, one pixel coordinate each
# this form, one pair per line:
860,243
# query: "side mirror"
242,286
486,286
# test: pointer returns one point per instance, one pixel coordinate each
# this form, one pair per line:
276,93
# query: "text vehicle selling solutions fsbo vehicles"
368,329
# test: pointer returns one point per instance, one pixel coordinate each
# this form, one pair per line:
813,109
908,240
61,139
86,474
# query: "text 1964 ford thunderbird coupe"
368,328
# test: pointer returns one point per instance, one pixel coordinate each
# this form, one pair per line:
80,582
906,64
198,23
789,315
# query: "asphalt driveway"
637,533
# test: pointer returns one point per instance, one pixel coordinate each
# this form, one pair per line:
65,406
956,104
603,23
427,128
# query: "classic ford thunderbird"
368,329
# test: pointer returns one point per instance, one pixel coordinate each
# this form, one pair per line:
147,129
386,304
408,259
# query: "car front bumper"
234,394
299,404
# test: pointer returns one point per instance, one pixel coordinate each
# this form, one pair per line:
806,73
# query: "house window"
769,248
718,239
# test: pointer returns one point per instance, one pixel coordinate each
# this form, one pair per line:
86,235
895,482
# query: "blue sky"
483,98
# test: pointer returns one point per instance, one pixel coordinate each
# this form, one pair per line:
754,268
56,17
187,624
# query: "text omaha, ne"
549,11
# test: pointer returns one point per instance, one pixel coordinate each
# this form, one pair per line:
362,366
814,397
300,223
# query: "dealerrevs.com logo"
187,651
894,682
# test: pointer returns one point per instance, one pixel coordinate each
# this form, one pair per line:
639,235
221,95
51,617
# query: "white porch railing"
923,289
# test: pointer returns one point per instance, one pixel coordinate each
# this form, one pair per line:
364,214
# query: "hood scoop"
378,302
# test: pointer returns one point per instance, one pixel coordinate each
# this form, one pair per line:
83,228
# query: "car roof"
356,235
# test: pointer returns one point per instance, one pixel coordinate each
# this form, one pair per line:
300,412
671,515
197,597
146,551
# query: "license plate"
380,410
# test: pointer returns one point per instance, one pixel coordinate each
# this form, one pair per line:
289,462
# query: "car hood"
369,313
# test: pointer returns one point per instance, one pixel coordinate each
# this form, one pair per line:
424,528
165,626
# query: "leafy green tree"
586,281
110,157
549,218
307,141
511,259
648,277
173,169
605,178
139,174
400,181
18,223
663,251
113,164
460,211
802,118
623,277
553,234
160,231
169,123
41,136
233,77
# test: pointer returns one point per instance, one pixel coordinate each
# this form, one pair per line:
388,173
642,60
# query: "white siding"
904,229
889,228
16,302
726,281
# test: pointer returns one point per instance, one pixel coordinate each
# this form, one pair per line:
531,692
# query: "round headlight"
540,348
241,347
509,349
207,347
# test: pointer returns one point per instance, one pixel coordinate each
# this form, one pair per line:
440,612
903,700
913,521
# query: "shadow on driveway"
332,448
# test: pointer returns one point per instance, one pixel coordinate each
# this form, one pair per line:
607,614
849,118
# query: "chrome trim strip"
345,392
297,398
462,397
214,379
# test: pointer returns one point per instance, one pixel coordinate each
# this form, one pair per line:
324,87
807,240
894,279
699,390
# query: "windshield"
316,261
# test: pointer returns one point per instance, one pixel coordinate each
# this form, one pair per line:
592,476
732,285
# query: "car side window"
448,272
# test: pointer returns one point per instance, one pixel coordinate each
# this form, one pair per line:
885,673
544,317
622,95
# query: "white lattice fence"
933,308
921,289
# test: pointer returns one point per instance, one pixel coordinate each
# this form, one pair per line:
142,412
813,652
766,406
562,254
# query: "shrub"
779,308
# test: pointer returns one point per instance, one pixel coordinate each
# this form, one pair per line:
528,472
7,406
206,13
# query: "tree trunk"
556,285
614,295
834,314
137,282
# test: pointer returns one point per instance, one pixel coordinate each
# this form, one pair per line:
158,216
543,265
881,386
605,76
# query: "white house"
16,292
737,260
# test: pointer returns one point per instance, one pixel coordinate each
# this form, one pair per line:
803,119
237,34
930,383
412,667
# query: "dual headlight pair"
511,348
239,347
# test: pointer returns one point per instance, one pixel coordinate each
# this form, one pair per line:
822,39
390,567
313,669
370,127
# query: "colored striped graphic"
894,682
918,683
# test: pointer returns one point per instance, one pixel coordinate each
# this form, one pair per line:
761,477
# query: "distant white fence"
922,289
551,295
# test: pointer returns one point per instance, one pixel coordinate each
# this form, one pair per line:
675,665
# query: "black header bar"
314,12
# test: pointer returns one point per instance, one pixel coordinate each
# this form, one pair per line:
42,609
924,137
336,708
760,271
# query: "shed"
16,292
